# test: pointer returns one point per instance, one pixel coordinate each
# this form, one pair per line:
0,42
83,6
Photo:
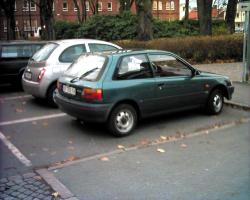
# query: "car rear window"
87,67
44,52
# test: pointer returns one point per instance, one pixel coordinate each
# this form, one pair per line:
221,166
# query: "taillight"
92,94
41,74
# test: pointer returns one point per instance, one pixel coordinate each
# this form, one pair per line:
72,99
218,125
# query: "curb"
56,185
237,105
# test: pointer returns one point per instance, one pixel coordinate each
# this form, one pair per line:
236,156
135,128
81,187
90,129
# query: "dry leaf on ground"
55,194
19,110
163,137
161,150
120,147
104,158
183,145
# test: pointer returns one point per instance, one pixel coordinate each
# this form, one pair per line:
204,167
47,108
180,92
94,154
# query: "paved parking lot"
35,136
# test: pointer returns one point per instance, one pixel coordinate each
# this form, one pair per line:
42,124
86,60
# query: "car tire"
122,120
50,96
215,102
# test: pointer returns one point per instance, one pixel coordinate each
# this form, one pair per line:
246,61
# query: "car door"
176,86
133,80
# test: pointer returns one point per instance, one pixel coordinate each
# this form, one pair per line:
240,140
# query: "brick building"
28,17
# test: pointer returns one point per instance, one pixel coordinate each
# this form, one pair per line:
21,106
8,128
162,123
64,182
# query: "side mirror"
195,73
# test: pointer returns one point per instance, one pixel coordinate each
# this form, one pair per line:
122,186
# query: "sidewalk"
241,96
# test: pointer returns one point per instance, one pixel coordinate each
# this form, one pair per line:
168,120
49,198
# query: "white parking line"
32,119
15,97
15,151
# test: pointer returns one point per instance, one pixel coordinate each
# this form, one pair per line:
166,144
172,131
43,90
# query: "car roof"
80,40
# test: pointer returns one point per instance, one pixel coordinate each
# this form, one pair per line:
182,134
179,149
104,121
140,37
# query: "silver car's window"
87,67
167,66
72,53
44,52
94,47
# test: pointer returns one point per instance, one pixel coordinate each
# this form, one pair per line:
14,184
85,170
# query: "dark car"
121,87
14,58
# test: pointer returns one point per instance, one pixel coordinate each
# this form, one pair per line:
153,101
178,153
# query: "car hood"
209,74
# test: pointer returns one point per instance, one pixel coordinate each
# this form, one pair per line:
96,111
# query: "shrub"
66,30
195,49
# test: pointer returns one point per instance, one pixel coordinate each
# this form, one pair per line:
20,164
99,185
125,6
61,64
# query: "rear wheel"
51,96
215,102
123,120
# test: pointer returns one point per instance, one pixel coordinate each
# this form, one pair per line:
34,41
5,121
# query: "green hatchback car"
121,87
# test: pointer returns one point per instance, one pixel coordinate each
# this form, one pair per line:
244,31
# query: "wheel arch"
222,88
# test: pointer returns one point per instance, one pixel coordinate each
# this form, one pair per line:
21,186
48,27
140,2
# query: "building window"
75,8
157,5
5,25
87,6
29,4
237,15
109,6
16,27
99,6
167,5
65,5
53,6
28,27
172,5
15,6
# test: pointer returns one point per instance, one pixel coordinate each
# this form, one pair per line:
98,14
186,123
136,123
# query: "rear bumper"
84,111
34,88
230,91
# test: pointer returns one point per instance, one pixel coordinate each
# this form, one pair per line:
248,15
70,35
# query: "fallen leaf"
45,124
24,102
163,137
53,153
55,194
183,145
8,137
38,177
72,158
207,132
104,159
161,150
19,110
120,147
34,123
45,149
32,154
70,142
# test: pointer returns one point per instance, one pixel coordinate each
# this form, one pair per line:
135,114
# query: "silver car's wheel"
122,120
215,102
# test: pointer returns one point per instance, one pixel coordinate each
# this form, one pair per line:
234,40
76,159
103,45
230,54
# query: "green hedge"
124,26
195,49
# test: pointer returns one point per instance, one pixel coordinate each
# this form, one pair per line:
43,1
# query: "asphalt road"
34,136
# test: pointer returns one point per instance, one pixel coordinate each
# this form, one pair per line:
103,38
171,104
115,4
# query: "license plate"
27,75
69,90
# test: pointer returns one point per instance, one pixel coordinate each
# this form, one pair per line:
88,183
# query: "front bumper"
84,111
230,91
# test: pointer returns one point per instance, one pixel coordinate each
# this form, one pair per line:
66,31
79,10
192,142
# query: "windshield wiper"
88,72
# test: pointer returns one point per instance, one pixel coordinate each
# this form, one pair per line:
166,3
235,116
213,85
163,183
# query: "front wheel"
215,102
123,120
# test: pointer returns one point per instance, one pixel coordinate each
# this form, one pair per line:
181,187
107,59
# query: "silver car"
46,65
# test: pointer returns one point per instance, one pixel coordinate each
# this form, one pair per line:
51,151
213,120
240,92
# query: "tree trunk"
47,19
205,16
143,10
186,10
78,11
9,11
230,15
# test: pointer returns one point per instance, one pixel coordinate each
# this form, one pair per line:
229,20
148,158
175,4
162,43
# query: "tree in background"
143,10
47,19
81,13
205,16
125,5
186,10
8,7
230,15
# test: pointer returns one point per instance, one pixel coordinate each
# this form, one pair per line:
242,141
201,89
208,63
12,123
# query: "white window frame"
154,5
15,6
27,6
167,5
75,8
111,6
87,6
67,8
99,6
172,5
159,5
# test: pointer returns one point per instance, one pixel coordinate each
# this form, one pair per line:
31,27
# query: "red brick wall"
71,15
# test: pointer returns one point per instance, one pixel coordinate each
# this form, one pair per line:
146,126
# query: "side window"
167,66
17,51
71,53
133,67
101,47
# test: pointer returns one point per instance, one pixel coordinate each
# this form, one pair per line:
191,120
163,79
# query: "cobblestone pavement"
29,186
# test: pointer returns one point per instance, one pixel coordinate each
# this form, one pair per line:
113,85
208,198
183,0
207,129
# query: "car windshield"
44,52
87,67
